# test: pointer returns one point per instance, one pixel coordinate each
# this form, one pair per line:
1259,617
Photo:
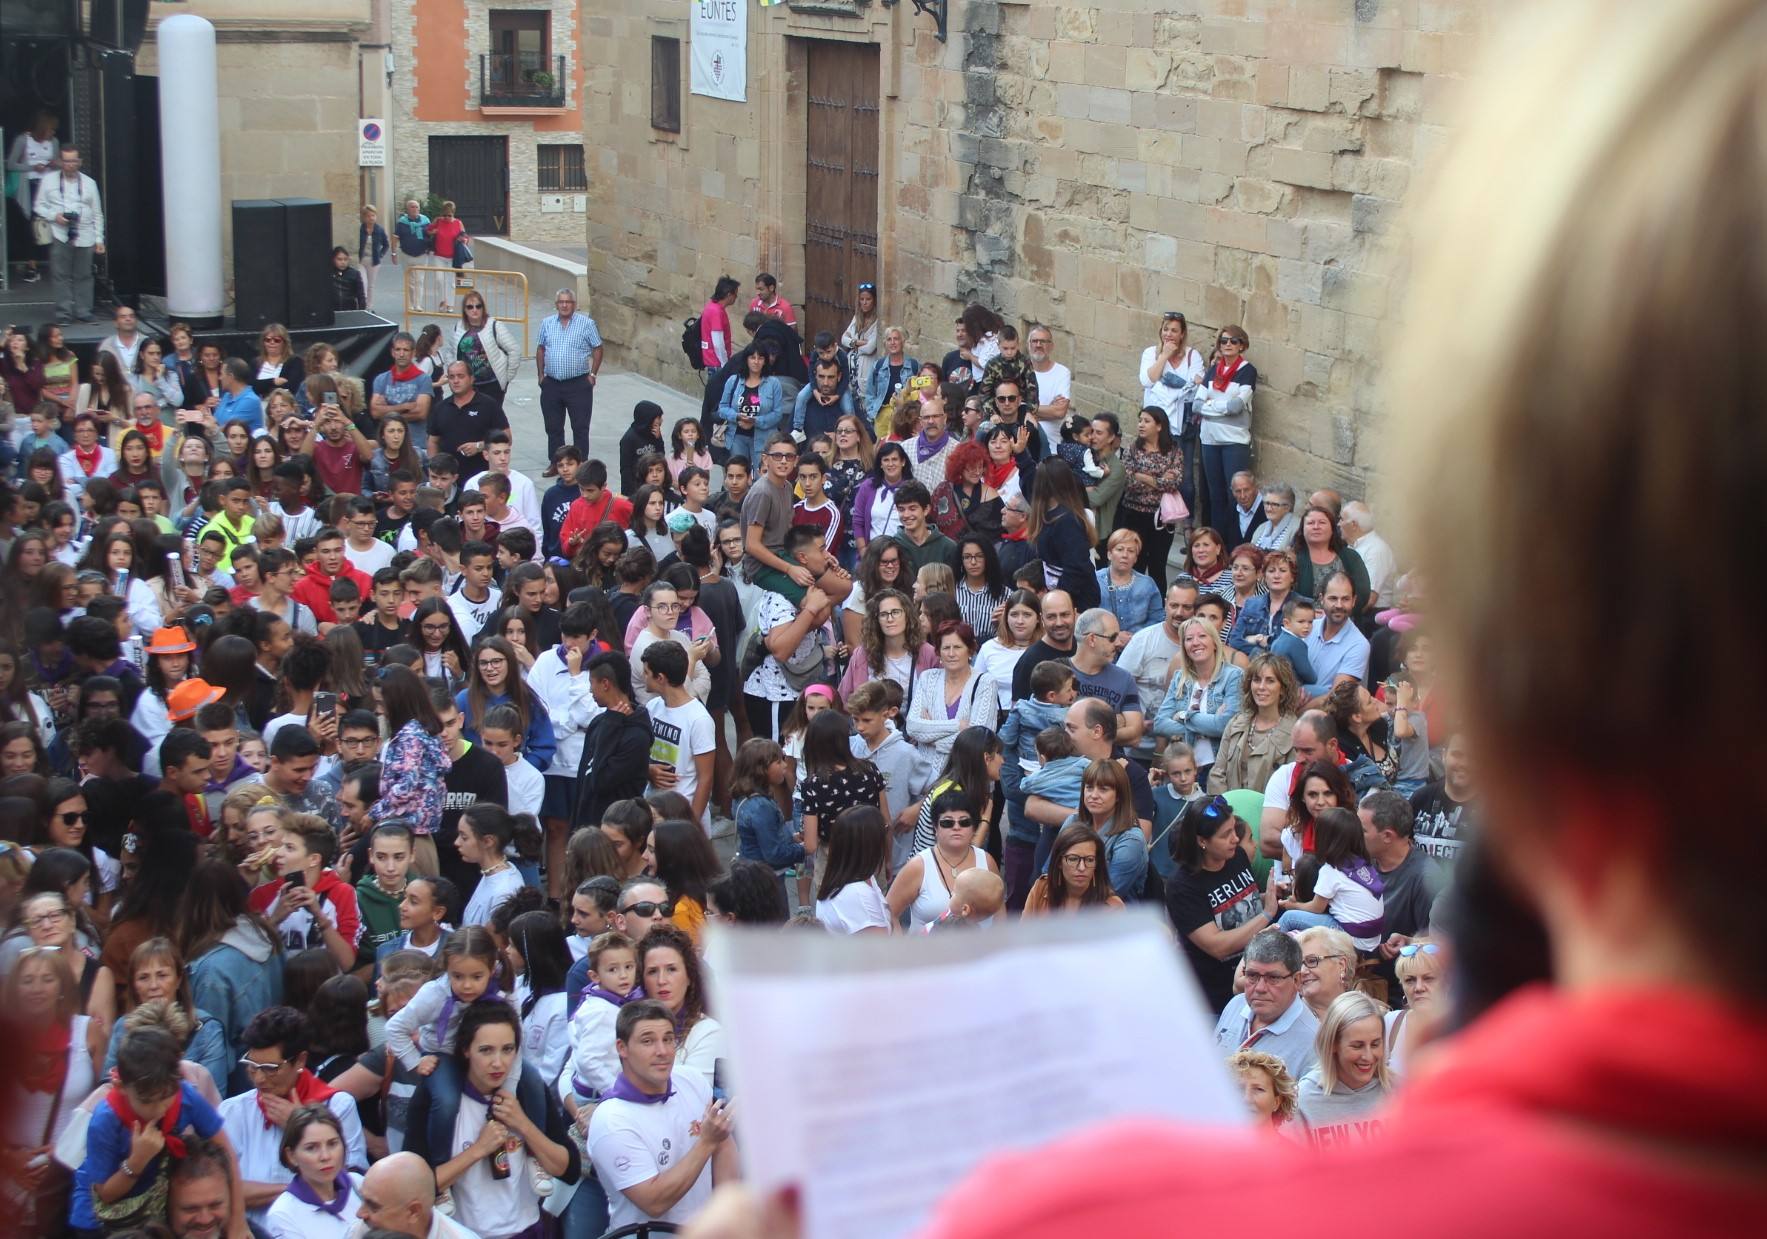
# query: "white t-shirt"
473,616
492,890
292,1218
1351,903
277,724
855,906
1276,789
1058,382
1204,746
998,662
1148,658
678,735
522,495
370,561
632,1143
527,787
485,1205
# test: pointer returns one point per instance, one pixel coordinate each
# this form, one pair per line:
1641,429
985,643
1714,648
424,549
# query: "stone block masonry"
1086,165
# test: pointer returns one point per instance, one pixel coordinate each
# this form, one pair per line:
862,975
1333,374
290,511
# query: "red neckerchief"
1294,789
1224,374
88,457
996,475
168,1123
405,376
45,1068
309,1090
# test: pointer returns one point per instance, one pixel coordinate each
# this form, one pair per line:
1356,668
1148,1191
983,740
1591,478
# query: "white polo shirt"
631,1143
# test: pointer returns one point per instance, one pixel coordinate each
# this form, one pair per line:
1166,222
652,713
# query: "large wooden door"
840,237
473,174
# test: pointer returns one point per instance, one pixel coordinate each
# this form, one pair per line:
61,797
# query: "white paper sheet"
875,1072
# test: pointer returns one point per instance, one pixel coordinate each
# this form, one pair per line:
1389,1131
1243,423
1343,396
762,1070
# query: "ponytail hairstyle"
471,942
546,960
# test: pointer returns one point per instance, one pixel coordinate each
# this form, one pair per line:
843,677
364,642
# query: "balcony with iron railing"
518,83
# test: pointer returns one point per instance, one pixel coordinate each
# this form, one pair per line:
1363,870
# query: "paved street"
615,393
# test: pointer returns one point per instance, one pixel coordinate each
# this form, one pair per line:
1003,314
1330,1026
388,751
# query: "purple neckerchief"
924,451
1362,873
493,993
625,1090
592,990
1365,875
340,1197
484,1099
240,770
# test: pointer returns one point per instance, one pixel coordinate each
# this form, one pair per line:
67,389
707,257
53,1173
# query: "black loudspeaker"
260,263
119,23
306,256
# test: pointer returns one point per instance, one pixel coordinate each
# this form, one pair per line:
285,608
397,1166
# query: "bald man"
398,1195
1058,613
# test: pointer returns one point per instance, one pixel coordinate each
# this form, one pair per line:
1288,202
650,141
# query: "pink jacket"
859,669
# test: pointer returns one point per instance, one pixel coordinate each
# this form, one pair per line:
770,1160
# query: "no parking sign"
371,143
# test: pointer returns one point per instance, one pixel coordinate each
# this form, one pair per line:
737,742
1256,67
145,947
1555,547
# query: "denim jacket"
1018,736
1256,619
763,834
876,391
772,411
1058,781
1136,605
1220,703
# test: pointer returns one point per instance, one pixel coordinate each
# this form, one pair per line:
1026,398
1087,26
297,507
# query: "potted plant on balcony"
542,81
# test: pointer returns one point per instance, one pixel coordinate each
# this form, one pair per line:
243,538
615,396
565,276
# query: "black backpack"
690,343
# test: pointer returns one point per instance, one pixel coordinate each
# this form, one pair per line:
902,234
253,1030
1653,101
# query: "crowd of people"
363,805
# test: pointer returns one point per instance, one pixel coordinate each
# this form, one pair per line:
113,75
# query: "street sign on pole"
371,143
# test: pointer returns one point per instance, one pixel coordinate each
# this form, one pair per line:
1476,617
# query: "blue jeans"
1220,462
587,1213
1295,919
1045,845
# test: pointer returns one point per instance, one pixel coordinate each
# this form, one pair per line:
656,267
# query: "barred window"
665,84
561,168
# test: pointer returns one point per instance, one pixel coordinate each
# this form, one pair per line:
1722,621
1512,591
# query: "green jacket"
380,917
1103,496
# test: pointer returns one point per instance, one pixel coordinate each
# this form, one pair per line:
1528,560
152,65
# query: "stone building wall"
438,39
1085,165
288,87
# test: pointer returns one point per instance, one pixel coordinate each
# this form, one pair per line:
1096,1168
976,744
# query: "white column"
190,161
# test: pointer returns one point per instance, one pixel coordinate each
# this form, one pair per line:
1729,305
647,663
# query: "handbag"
1172,511
462,252
40,231
947,513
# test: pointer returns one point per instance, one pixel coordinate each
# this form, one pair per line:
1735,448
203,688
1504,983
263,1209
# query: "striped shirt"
977,607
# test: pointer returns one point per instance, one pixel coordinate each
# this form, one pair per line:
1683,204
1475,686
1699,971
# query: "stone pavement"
615,393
